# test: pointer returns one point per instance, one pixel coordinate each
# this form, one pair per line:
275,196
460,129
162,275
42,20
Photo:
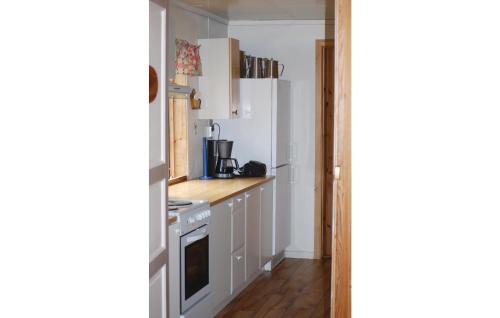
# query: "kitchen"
77,221
231,105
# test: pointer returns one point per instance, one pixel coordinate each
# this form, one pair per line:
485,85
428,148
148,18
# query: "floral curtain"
188,60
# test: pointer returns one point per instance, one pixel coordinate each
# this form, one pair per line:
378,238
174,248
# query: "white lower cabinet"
237,269
252,238
220,255
240,232
237,228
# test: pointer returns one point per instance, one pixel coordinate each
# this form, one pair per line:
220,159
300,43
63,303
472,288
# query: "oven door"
194,267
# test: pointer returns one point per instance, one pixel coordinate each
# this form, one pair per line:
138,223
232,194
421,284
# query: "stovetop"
177,207
176,204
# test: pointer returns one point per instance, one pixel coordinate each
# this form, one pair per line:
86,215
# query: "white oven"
194,267
192,240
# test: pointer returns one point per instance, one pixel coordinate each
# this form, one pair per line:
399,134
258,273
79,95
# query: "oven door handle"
192,239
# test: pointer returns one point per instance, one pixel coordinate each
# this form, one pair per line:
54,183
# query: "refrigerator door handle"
280,166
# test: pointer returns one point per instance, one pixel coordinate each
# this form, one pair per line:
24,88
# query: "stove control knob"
199,217
190,220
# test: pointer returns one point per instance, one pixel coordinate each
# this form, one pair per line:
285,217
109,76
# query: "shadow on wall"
329,16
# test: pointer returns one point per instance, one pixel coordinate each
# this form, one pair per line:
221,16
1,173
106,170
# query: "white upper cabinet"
220,83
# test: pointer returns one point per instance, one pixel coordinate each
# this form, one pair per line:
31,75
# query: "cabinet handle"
238,258
235,112
239,199
261,189
247,195
230,204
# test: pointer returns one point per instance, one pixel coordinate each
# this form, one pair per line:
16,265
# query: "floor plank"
295,288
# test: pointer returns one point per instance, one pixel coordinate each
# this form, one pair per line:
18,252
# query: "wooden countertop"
172,220
216,190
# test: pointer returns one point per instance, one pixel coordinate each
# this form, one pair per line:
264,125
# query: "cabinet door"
237,269
238,223
234,81
219,85
220,256
252,240
266,223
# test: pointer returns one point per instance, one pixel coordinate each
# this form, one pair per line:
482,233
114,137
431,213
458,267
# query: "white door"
252,239
282,218
158,164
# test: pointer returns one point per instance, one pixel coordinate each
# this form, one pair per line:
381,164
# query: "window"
178,121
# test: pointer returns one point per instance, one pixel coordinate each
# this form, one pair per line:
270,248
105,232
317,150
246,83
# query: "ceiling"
266,9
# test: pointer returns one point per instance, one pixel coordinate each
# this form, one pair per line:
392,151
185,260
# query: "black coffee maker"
225,164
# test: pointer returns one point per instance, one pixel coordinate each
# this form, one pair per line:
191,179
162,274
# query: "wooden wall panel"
341,262
178,112
318,171
180,137
323,188
328,102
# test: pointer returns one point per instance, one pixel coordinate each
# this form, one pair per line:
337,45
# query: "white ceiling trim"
199,11
280,22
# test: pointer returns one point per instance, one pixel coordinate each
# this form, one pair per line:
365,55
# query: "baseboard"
299,254
276,260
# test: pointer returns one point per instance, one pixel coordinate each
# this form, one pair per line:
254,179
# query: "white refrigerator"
262,133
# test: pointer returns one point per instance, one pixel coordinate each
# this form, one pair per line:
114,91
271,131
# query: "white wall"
190,24
293,44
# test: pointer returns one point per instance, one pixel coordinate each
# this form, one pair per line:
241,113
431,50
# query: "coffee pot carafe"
226,166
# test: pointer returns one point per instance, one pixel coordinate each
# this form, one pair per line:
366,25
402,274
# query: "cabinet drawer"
237,229
239,202
237,269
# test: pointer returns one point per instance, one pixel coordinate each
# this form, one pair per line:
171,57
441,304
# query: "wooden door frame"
341,242
319,150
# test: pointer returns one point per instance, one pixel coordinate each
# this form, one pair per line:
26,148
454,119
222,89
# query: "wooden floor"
295,288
